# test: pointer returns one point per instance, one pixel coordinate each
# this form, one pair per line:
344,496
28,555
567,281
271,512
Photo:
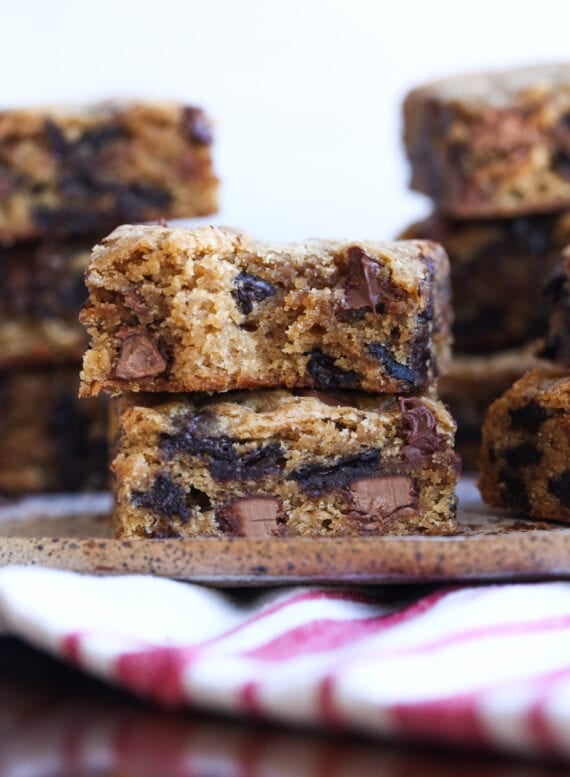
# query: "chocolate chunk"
523,455
559,485
268,460
164,497
327,375
89,143
513,491
317,479
362,287
249,289
338,399
223,461
396,370
197,125
255,517
381,496
420,425
529,417
139,357
134,301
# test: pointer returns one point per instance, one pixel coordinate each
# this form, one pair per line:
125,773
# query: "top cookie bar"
174,310
74,171
493,144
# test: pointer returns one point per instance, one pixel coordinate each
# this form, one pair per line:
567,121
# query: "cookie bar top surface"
190,465
525,452
66,171
501,88
495,144
211,309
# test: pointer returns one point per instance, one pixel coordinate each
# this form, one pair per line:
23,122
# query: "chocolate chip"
91,142
513,491
317,479
381,496
197,125
327,375
268,460
523,455
139,357
420,425
197,498
164,497
255,517
559,485
401,372
529,417
134,301
249,289
338,399
560,163
218,451
363,288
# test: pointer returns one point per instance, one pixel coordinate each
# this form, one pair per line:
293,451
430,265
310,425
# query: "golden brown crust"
229,312
331,465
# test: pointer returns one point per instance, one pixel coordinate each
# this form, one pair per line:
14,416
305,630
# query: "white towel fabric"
483,665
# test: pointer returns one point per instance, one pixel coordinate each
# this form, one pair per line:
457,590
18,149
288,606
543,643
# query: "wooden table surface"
56,722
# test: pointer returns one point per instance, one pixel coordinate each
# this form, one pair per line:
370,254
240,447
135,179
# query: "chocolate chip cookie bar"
492,144
471,385
497,267
175,310
42,289
278,463
75,171
525,456
557,293
50,440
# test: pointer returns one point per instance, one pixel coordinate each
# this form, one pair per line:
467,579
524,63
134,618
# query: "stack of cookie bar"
493,153
66,178
272,390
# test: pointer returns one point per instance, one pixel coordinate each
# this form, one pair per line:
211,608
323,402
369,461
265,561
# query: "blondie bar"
492,144
277,463
42,289
497,268
210,309
75,171
471,385
51,440
525,456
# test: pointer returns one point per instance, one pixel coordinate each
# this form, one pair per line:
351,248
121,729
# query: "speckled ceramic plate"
75,533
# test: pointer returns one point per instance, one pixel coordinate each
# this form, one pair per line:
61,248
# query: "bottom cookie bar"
525,456
50,440
276,463
469,387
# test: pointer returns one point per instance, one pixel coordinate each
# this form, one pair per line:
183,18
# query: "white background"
306,94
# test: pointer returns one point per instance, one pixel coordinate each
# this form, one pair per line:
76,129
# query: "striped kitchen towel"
485,666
